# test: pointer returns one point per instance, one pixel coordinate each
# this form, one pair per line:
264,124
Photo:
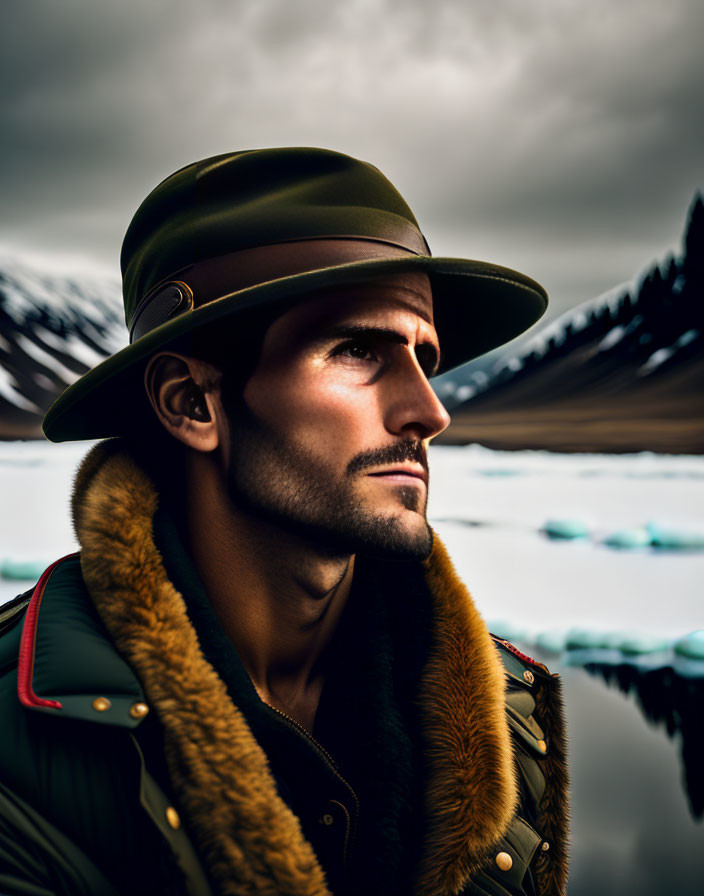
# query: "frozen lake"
489,508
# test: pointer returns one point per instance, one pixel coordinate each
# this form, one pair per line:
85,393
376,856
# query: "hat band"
216,278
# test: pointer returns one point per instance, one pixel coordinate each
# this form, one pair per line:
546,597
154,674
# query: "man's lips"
402,473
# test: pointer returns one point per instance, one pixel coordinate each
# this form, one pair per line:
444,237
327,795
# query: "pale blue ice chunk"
644,644
628,539
583,638
675,539
691,646
21,570
566,528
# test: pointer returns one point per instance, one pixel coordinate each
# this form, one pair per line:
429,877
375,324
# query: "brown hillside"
581,402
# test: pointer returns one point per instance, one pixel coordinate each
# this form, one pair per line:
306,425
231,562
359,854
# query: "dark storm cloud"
549,136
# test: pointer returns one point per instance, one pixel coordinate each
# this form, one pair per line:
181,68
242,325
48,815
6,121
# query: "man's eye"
357,350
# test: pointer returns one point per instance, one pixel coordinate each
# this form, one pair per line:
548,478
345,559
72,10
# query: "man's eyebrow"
353,331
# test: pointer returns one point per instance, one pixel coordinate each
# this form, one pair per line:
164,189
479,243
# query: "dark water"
636,810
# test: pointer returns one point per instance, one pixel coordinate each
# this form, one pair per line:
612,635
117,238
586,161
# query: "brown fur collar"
249,839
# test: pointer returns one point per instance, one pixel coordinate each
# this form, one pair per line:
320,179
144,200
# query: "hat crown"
247,199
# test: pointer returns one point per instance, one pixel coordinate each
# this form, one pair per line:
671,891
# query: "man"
261,674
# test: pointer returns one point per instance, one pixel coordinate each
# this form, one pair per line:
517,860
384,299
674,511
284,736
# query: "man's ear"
180,389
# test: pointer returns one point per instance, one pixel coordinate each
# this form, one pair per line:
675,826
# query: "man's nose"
412,407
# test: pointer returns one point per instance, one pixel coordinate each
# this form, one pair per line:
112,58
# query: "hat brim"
476,306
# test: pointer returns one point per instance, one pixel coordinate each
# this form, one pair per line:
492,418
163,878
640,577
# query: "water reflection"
676,703
633,827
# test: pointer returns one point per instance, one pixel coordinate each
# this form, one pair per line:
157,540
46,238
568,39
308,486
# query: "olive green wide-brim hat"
237,234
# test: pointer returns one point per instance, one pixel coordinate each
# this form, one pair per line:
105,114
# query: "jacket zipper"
333,766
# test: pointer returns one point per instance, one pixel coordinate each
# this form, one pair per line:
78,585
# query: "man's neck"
278,600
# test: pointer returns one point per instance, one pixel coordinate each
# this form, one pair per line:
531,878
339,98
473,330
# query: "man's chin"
379,537
396,542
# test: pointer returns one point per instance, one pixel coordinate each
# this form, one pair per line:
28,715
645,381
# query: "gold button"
100,704
172,817
139,710
545,846
327,819
528,676
542,746
504,861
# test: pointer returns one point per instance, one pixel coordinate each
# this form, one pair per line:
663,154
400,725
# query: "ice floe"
21,570
566,528
628,538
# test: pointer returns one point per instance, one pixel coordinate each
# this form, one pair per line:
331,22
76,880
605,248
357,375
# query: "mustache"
409,449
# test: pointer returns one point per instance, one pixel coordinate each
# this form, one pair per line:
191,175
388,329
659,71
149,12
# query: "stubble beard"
274,479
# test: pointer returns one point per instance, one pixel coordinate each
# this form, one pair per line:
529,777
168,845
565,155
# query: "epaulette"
523,657
524,675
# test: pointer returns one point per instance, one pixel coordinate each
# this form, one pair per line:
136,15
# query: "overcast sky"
559,137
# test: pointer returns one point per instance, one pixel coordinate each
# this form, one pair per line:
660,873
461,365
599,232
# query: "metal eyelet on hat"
169,300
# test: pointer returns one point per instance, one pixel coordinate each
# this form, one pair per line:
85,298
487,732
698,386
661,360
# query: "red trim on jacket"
521,656
25,667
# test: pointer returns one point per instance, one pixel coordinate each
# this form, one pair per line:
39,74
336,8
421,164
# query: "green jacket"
127,767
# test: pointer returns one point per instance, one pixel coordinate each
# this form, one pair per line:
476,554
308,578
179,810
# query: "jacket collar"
227,792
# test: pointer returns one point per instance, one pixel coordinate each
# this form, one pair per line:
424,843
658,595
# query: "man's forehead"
408,291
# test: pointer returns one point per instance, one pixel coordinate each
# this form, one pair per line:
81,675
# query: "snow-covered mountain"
53,328
461,385
623,372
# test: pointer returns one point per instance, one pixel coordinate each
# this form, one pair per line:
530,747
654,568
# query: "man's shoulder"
63,658
19,623
65,699
67,710
57,660
21,749
60,576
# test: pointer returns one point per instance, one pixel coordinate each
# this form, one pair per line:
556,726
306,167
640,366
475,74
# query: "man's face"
329,439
